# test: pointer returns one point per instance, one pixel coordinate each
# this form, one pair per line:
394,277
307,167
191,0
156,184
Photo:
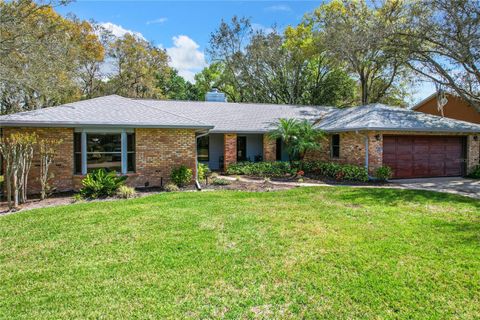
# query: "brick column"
473,152
269,148
375,151
229,149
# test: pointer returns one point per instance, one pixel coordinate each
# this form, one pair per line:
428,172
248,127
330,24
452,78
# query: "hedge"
329,170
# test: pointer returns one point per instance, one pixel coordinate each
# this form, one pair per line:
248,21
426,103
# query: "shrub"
264,169
181,176
170,187
475,174
337,171
203,171
100,184
220,182
383,173
126,192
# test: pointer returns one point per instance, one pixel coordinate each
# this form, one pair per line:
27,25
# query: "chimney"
216,96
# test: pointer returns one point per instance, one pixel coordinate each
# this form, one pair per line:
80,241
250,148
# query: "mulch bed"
66,198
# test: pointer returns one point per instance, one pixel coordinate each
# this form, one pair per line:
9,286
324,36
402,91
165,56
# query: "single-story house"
146,139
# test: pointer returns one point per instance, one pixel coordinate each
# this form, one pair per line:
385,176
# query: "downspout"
197,183
366,153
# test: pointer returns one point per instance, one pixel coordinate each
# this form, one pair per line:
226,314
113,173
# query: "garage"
424,156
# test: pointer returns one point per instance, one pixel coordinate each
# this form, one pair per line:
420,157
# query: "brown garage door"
424,156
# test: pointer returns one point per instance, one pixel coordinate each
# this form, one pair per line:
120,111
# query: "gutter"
197,183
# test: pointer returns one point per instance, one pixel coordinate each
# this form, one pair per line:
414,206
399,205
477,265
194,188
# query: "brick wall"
158,151
269,148
352,148
61,168
229,149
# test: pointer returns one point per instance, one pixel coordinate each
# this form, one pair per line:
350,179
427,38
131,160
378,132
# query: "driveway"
456,185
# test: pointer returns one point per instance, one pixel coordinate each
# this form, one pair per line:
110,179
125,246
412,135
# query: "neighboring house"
146,139
456,108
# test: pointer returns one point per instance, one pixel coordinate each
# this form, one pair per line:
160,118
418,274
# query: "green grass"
304,253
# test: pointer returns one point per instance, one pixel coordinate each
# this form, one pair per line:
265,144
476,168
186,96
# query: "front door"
241,149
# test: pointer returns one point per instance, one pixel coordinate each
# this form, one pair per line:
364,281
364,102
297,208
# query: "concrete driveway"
456,185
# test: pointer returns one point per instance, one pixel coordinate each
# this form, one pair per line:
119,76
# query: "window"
335,143
104,150
203,148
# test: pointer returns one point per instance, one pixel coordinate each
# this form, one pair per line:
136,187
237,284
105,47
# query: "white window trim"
124,144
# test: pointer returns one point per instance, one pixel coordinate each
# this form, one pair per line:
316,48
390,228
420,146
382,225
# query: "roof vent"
216,96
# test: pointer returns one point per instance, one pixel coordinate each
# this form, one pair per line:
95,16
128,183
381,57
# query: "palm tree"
308,138
287,131
298,136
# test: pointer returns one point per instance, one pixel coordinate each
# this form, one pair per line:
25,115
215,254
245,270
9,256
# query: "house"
146,139
456,108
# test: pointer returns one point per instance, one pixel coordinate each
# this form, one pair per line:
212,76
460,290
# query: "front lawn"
333,252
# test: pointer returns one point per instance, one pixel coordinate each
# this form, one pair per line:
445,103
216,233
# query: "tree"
137,64
358,36
270,67
17,151
47,152
442,40
298,136
40,53
216,76
175,87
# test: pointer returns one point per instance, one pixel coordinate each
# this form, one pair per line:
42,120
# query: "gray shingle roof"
105,111
115,111
239,117
382,117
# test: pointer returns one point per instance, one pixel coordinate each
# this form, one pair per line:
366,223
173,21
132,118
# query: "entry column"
229,149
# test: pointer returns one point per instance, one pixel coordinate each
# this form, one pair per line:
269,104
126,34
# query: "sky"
183,28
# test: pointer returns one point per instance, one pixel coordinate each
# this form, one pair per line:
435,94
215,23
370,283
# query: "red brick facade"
352,148
229,149
158,151
61,169
269,148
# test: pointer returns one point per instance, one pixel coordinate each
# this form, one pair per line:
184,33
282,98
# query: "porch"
219,150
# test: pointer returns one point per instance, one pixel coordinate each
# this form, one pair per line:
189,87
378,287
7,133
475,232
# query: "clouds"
119,31
185,57
157,21
279,7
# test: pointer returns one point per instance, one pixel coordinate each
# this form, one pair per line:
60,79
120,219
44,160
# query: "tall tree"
358,35
175,87
270,67
40,55
442,38
137,64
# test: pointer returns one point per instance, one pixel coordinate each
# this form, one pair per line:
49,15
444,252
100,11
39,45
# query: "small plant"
220,182
181,176
203,171
475,174
77,197
383,173
101,184
171,187
300,180
214,175
126,192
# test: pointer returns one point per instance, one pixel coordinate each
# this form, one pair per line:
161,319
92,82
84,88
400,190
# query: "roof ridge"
177,115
